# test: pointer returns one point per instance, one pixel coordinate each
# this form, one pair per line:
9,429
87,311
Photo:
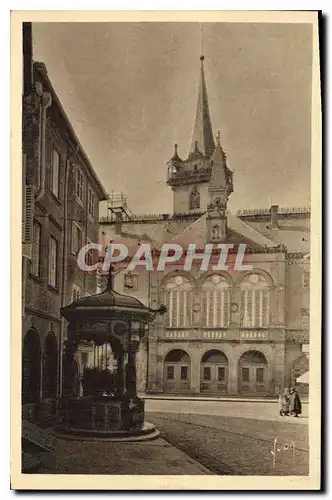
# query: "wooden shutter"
226,307
188,308
249,309
181,308
28,214
265,312
174,308
23,196
73,238
219,320
166,301
257,317
242,309
210,312
204,309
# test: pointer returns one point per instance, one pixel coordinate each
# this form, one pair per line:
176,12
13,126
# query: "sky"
130,92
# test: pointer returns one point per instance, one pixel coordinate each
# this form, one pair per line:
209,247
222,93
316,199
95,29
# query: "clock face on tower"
234,307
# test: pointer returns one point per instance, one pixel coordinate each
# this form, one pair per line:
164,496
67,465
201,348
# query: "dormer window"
194,199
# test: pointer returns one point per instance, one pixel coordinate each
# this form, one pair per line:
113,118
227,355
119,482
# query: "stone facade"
282,340
51,156
233,331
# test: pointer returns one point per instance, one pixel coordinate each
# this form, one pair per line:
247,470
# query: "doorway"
214,372
50,362
177,371
253,373
31,368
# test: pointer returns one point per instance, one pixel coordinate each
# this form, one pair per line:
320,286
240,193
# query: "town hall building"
232,331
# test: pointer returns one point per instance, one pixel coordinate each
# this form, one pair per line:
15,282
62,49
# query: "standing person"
284,402
295,403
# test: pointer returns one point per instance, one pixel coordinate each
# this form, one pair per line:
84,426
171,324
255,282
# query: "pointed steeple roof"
219,169
176,157
221,176
202,134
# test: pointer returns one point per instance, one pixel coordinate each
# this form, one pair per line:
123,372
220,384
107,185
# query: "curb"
189,459
221,400
148,432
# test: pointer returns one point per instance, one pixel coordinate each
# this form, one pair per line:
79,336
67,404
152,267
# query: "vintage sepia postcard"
166,209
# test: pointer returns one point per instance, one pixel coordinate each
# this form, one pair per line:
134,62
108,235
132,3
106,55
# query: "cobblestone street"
227,441
240,446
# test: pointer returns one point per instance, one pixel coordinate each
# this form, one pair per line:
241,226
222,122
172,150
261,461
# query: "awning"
303,379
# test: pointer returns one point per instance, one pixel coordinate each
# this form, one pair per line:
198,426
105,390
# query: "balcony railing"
267,211
208,335
182,175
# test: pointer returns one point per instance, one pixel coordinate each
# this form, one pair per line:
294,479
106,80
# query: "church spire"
202,134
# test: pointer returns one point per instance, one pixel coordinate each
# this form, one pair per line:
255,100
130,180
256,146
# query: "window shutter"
168,314
265,312
188,308
181,308
250,319
219,309
243,319
211,308
28,214
204,309
174,308
73,237
257,320
225,312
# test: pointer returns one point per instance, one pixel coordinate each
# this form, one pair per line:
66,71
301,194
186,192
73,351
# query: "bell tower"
189,178
202,182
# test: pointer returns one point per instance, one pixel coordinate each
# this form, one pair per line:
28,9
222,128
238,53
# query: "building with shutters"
61,195
227,331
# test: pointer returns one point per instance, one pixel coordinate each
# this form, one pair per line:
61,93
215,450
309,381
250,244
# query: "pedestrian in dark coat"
295,403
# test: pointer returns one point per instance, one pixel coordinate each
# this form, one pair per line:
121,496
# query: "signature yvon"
280,448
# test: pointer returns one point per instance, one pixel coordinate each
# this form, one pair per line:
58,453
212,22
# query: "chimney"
274,216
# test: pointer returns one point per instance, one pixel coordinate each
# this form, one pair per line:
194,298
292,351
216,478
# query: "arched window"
252,358
216,302
255,301
178,299
194,199
177,356
216,233
214,356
